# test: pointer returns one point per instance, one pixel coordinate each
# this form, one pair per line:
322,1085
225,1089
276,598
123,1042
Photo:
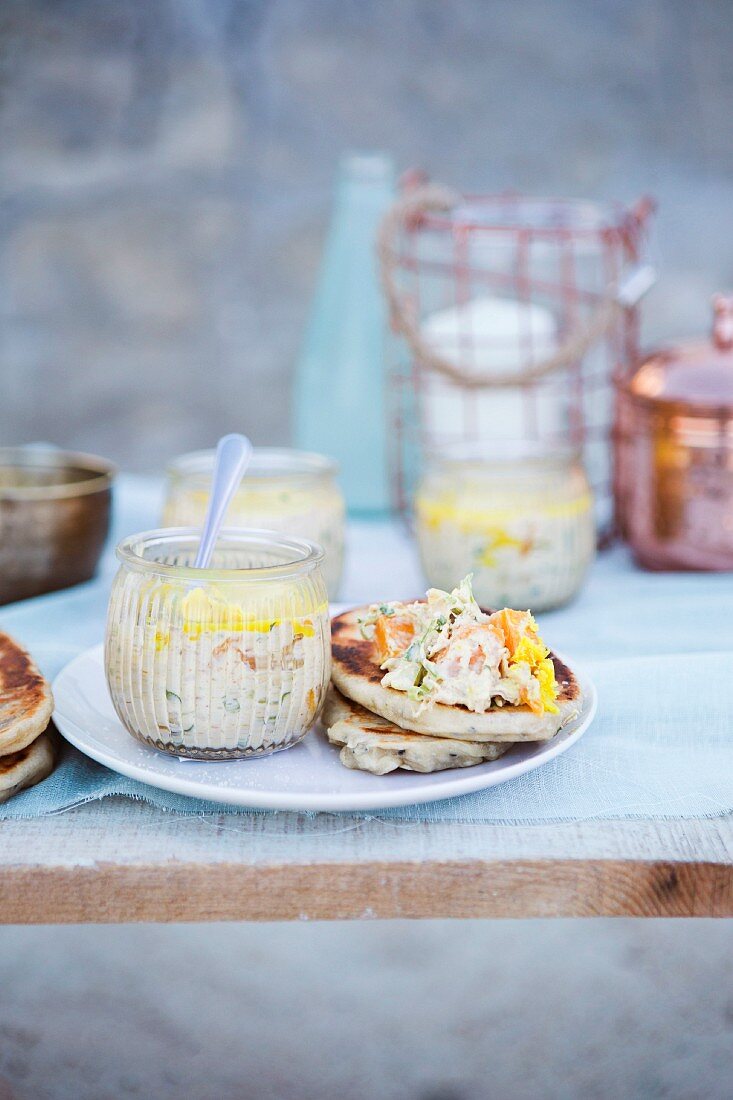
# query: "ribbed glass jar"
521,523
220,663
294,492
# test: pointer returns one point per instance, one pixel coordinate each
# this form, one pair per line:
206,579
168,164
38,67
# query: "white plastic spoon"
233,453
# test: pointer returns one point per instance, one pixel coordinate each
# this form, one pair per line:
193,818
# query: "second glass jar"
294,492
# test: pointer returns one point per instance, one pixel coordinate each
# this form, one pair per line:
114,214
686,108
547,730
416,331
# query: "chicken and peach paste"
231,661
523,527
293,492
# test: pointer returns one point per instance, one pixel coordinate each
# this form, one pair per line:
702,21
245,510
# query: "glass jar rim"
266,462
504,456
309,554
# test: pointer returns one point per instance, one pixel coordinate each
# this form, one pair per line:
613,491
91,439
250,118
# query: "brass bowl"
54,519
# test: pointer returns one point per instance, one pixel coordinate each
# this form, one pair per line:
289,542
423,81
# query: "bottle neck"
365,179
723,322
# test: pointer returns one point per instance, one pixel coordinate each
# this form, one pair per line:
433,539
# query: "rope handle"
408,211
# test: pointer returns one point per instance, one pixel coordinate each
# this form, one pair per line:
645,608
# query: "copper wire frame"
614,239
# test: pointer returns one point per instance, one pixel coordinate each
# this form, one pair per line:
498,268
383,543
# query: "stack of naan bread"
378,729
26,705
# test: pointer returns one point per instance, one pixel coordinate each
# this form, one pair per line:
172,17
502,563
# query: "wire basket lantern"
516,316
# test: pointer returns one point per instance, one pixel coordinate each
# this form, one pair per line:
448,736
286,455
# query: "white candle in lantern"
502,336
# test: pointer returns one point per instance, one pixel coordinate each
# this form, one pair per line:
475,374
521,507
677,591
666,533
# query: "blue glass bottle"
339,400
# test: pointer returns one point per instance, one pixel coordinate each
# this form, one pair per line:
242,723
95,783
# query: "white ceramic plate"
306,777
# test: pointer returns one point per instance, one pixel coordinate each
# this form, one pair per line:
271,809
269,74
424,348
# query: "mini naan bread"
26,703
357,675
26,767
373,744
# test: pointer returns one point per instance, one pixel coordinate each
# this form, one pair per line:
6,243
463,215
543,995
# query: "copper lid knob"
723,322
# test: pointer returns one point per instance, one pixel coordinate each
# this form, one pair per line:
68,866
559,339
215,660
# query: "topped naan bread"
26,702
474,664
373,744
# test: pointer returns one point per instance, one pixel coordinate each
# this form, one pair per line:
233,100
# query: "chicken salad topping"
447,650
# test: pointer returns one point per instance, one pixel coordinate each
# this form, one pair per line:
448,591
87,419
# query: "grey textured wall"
167,164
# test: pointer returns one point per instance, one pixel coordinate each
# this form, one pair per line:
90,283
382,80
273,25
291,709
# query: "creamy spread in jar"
293,492
227,662
523,525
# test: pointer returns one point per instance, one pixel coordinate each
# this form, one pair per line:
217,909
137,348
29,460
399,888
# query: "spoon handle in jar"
233,453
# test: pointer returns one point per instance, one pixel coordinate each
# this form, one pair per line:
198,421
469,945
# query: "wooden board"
120,861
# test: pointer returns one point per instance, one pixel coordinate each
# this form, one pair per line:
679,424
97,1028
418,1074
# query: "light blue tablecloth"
658,646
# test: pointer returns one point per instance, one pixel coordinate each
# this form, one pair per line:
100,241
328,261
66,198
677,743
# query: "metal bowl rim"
28,457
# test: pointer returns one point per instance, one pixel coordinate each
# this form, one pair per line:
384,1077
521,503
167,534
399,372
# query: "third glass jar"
520,521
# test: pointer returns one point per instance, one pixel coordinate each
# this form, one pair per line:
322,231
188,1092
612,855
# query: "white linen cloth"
658,646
